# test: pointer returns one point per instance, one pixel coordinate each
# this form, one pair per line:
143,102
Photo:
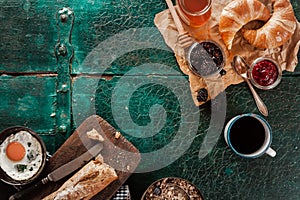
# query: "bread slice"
87,182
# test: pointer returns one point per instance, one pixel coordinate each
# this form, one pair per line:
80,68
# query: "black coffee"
247,135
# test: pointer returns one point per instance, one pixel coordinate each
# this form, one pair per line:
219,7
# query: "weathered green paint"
260,176
64,53
29,101
53,94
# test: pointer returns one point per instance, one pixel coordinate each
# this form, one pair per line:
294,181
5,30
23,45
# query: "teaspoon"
241,67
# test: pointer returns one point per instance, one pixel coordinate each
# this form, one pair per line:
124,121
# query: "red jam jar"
265,73
194,13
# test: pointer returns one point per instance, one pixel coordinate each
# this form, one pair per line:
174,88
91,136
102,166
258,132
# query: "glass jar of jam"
206,59
194,13
265,73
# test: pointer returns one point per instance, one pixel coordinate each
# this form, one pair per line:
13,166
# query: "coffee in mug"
249,135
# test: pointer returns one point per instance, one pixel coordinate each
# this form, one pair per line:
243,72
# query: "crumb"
99,158
94,135
117,135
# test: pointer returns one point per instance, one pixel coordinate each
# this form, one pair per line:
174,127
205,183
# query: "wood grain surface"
113,152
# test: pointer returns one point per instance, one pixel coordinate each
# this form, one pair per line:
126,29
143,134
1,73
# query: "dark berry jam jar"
265,73
206,58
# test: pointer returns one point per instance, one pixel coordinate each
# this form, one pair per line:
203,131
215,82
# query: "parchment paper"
285,55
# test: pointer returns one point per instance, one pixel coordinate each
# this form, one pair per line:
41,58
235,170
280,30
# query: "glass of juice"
194,13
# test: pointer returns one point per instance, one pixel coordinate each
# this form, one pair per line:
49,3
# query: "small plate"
172,188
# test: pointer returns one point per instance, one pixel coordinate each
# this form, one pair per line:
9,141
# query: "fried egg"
21,156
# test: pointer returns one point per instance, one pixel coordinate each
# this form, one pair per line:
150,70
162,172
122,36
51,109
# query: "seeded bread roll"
86,183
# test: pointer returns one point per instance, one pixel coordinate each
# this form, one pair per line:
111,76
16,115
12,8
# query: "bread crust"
237,14
277,31
86,183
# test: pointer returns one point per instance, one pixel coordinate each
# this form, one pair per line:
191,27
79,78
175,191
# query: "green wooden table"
63,61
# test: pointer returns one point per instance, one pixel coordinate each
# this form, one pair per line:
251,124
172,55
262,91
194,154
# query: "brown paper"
285,55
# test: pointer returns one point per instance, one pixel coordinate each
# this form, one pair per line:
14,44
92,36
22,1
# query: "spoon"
241,67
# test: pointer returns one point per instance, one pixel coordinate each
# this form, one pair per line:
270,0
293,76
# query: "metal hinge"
64,53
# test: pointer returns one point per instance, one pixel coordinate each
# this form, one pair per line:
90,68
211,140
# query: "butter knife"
61,172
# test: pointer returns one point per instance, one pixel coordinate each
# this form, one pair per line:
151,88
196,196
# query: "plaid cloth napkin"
122,194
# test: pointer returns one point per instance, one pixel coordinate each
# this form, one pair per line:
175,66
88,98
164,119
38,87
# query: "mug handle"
271,152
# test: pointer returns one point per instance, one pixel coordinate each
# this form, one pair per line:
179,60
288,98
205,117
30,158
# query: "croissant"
277,30
237,14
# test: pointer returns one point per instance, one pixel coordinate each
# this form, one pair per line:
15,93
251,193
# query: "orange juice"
194,12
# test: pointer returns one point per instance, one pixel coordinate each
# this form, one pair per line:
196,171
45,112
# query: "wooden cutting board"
115,150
